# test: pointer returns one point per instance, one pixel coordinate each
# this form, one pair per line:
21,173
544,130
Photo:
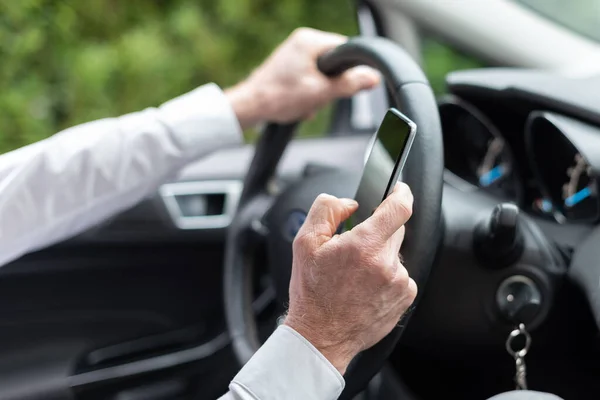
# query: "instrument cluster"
554,172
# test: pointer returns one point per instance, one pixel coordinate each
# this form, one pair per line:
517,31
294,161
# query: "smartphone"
384,161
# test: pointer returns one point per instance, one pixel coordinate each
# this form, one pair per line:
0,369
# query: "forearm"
59,187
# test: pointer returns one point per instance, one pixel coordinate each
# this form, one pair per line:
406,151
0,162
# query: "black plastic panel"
530,90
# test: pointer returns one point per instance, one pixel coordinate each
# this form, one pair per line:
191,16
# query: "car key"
519,355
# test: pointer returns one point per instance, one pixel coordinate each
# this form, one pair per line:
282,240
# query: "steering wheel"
262,211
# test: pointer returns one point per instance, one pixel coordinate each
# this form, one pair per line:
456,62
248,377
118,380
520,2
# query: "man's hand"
288,86
348,291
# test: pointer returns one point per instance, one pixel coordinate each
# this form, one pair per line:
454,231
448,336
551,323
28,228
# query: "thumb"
325,215
354,80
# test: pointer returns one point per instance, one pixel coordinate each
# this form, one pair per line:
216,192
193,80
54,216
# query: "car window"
581,16
440,58
68,62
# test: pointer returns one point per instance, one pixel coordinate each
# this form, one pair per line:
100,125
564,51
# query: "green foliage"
440,59
71,61
67,62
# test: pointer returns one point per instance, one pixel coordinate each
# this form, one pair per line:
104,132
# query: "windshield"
581,16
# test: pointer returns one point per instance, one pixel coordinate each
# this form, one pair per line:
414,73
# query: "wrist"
248,103
338,353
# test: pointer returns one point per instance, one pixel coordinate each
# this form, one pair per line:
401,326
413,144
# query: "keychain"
519,355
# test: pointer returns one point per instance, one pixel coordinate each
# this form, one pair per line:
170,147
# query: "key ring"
512,336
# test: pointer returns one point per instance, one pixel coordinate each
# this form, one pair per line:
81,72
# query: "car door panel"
132,309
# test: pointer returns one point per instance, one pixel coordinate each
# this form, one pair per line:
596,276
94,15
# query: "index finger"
391,214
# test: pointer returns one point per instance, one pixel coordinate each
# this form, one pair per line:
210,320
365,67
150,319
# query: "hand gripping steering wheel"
410,92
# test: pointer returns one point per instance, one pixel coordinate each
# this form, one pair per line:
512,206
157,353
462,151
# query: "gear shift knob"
498,241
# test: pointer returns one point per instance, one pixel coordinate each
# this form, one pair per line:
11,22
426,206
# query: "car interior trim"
172,192
154,364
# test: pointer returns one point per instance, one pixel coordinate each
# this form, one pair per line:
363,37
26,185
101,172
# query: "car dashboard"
547,167
526,137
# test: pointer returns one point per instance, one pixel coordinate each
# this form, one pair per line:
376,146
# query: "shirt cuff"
288,367
201,119
524,395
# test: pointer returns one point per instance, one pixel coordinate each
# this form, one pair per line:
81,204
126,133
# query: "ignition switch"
519,299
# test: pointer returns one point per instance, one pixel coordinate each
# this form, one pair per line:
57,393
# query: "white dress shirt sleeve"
286,367
56,188
525,395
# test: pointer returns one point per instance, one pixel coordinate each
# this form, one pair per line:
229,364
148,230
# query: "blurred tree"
67,62
439,59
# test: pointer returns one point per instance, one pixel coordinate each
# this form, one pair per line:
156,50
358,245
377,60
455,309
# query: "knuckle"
363,230
297,245
402,279
404,207
369,232
383,268
405,193
388,273
364,254
324,199
412,290
313,87
403,187
410,195
301,242
302,34
324,203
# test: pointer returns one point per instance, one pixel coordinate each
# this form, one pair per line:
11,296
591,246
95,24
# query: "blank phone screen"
387,148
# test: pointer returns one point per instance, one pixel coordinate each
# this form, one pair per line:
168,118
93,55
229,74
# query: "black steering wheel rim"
410,92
